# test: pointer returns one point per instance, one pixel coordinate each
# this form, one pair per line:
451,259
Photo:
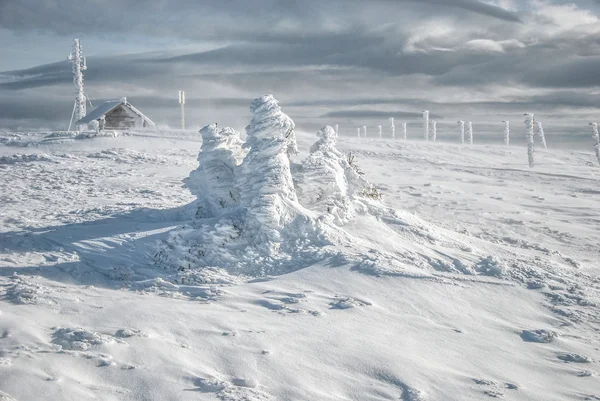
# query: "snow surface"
475,278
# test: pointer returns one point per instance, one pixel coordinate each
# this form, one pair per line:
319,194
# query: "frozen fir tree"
433,130
265,180
426,125
380,131
213,182
529,134
392,128
506,132
596,138
461,131
470,132
539,131
332,182
404,134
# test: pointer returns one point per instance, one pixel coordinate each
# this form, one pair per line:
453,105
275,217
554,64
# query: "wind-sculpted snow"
214,179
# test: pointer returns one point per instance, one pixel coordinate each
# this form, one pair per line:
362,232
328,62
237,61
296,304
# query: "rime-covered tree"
393,128
506,132
358,132
433,130
426,124
470,132
404,133
365,131
461,131
213,182
380,131
335,181
530,138
539,131
265,180
596,138
337,129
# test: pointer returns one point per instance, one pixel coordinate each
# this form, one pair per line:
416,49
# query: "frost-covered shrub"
332,182
433,130
214,180
469,125
461,131
539,131
530,138
426,124
393,128
506,132
596,138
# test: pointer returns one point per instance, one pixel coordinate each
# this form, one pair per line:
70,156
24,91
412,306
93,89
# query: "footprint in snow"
347,303
538,336
574,358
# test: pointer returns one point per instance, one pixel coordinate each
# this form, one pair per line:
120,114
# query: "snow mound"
22,291
538,336
26,158
78,339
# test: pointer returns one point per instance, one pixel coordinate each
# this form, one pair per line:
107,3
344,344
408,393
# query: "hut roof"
109,106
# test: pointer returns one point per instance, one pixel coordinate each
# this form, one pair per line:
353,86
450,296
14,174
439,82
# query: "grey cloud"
361,114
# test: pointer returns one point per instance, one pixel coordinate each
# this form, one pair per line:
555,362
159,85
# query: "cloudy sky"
352,62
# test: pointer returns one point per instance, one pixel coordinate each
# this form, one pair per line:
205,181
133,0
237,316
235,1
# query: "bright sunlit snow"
177,265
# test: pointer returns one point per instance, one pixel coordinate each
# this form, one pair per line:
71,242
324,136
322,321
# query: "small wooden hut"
116,115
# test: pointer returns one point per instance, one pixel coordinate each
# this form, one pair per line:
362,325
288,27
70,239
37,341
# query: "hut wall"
122,118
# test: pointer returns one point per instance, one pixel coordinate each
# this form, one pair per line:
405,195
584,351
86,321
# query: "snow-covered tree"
393,128
404,134
426,124
506,132
380,131
365,131
332,182
337,129
530,138
358,132
461,131
596,138
265,180
470,132
213,182
433,130
539,131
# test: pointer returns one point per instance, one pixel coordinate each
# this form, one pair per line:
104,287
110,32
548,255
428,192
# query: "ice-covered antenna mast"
182,103
79,65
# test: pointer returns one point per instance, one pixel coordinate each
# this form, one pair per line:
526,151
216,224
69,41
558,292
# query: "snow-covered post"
358,132
380,131
539,130
365,131
506,132
530,138
393,128
404,131
433,130
426,124
596,140
461,131
470,132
